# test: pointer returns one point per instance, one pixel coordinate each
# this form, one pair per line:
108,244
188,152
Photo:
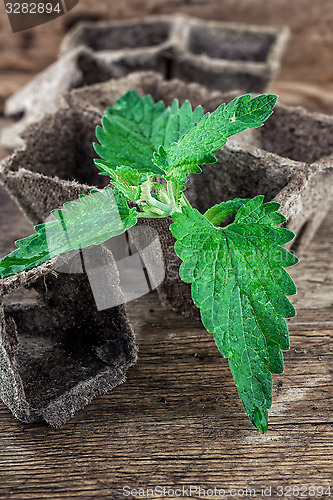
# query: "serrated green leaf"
219,213
241,288
134,129
212,132
94,219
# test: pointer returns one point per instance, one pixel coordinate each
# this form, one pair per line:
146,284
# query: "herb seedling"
236,271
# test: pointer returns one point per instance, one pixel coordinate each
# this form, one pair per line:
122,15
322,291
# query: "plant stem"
184,201
172,197
170,193
164,208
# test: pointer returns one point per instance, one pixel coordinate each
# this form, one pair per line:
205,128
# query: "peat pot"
58,351
217,55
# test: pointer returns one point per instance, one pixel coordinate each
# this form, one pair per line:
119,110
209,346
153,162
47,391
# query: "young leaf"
128,181
241,288
136,127
212,132
94,219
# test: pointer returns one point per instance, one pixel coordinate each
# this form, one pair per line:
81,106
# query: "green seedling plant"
237,270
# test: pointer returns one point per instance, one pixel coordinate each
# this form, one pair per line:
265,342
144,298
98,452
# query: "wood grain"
178,421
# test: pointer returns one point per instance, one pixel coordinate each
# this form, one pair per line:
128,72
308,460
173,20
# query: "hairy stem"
161,209
171,195
175,207
184,202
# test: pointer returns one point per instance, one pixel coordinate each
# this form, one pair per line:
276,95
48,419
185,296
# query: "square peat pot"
132,45
57,350
219,56
227,56
291,163
91,53
43,94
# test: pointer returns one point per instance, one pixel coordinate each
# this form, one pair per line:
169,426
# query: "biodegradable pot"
217,55
57,351
228,56
297,177
43,94
130,45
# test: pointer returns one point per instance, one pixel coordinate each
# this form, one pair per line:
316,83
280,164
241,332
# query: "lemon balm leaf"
92,220
212,132
241,287
135,127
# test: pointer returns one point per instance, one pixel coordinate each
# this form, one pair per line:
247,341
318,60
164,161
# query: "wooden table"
178,421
